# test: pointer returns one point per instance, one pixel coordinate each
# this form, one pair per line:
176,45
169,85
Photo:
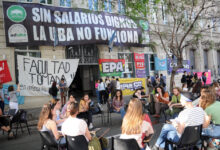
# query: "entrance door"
88,69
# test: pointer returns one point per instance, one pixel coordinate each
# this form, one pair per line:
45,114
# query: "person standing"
54,90
189,80
97,90
101,89
204,78
62,86
183,79
162,81
13,101
113,85
2,104
118,86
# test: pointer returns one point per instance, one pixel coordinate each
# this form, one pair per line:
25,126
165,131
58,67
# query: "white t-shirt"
192,116
146,127
118,86
74,127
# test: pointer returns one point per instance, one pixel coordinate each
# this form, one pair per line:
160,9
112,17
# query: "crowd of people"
195,103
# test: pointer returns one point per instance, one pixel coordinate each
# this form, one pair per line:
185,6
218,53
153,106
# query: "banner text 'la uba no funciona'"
37,24
36,75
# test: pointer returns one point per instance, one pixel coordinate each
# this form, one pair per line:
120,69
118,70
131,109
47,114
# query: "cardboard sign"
111,67
5,75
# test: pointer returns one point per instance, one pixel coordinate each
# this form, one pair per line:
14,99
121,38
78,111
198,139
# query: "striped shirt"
192,116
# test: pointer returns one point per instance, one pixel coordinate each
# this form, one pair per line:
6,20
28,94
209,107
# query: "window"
46,1
121,6
87,54
153,13
192,59
205,56
152,62
108,5
164,14
24,0
65,3
218,57
32,51
93,5
129,64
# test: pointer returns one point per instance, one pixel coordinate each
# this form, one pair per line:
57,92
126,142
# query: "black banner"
37,24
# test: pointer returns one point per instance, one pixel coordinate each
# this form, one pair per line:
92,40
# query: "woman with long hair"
133,125
46,123
84,110
74,126
118,103
211,106
56,114
161,99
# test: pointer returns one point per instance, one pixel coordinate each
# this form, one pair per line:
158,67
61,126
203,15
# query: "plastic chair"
48,141
189,138
76,143
23,119
124,144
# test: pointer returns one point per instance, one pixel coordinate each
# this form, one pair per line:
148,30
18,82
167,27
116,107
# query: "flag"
111,41
161,64
55,37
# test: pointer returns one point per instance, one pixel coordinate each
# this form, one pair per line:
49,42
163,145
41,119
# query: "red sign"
139,61
5,75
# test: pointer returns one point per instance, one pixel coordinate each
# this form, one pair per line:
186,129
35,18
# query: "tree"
188,21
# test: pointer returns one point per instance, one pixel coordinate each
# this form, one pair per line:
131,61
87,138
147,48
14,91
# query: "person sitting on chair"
74,126
211,106
118,103
5,124
190,116
64,109
133,125
161,99
46,123
175,106
57,117
84,110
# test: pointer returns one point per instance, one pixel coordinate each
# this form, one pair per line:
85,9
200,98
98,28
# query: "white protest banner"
36,75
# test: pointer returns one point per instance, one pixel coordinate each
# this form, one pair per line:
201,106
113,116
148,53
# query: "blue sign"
160,64
5,91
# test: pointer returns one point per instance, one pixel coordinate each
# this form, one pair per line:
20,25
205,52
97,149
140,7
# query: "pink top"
96,85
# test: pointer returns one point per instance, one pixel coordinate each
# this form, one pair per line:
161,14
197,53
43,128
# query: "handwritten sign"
36,75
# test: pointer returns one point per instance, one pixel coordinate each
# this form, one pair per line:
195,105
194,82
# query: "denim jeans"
168,132
97,95
212,131
122,112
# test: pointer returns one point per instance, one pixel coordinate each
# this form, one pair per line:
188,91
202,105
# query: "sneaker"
154,148
100,106
91,126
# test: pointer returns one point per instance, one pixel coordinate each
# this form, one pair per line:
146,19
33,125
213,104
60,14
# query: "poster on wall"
36,75
38,24
139,65
160,64
208,76
173,63
129,85
5,75
111,67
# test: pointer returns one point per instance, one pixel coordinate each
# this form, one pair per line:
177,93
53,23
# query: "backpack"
94,144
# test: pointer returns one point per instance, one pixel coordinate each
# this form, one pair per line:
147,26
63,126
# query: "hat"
186,96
